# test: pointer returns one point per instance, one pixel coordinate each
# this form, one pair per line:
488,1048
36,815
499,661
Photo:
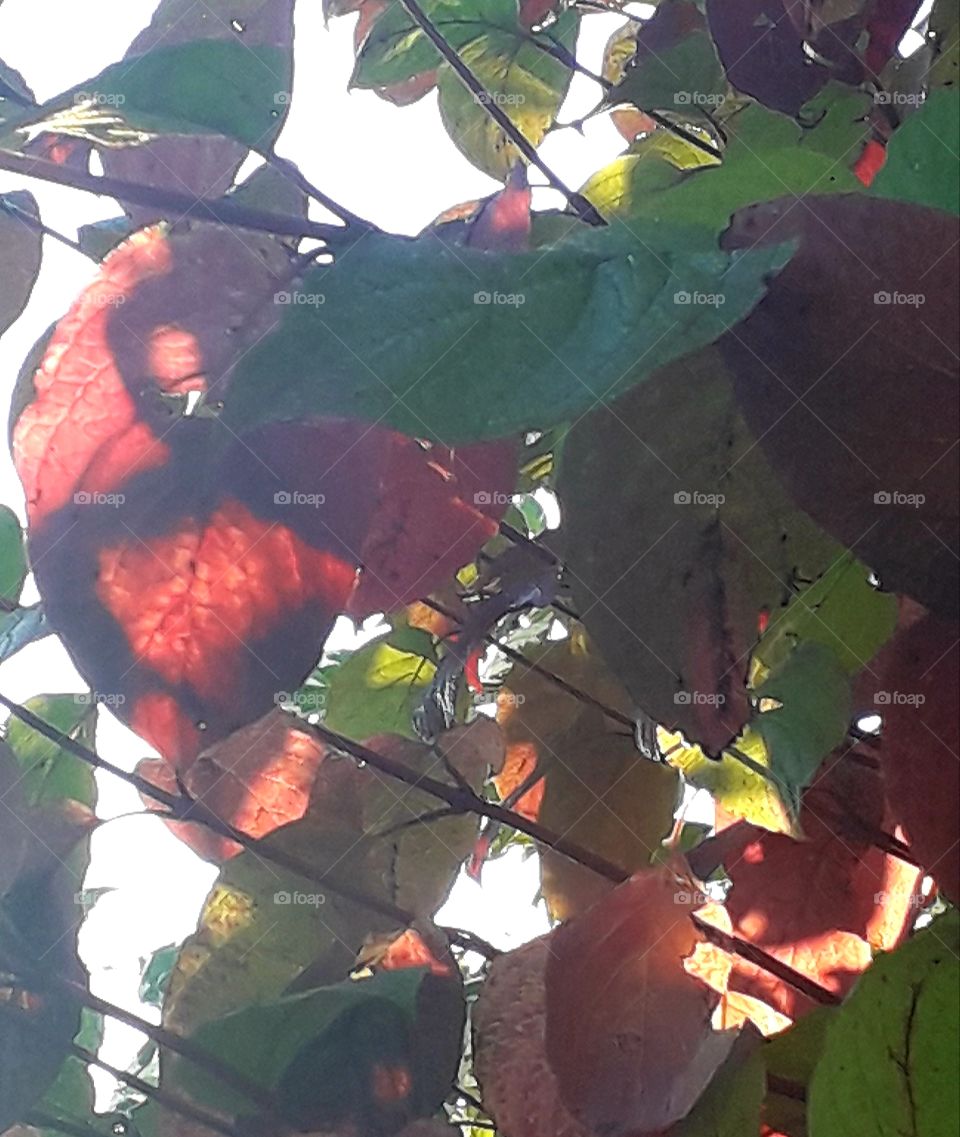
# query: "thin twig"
466,801
584,210
223,211
166,1039
750,952
163,1097
292,172
38,226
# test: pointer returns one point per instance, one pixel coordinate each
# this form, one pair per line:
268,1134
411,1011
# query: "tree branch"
225,212
584,210
736,946
182,807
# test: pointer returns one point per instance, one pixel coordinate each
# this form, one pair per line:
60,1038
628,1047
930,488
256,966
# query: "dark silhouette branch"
223,211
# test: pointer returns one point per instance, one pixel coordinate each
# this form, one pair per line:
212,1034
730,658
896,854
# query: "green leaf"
13,556
49,773
921,163
377,688
888,1065
817,706
676,67
203,86
20,627
767,156
71,1097
319,1049
523,79
678,535
841,610
20,248
730,1105
156,974
792,1056
471,345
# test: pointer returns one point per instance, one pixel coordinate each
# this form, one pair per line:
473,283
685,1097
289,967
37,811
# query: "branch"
225,212
38,226
185,1047
163,1097
292,172
466,801
584,210
182,807
736,946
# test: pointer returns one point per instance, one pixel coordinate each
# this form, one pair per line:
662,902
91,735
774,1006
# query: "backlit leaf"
888,1056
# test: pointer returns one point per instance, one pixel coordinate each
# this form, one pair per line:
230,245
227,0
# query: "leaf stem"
584,210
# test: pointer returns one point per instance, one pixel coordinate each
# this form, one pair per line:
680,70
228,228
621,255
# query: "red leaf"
821,905
920,744
629,1032
519,1087
258,779
857,333
193,575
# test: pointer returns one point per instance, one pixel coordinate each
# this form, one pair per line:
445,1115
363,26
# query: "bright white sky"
396,167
